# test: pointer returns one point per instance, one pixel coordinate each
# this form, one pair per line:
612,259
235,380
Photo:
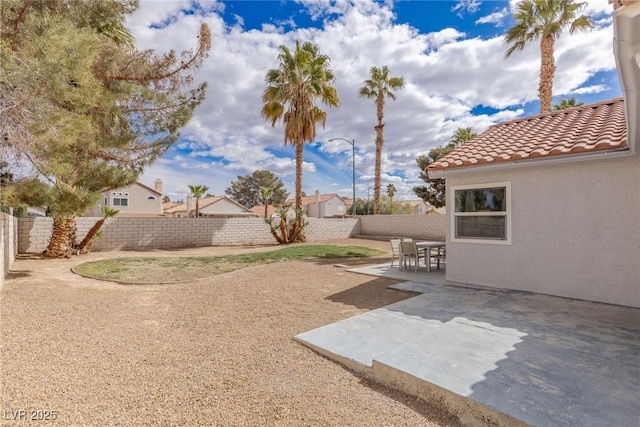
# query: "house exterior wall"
222,207
575,233
333,207
8,244
138,201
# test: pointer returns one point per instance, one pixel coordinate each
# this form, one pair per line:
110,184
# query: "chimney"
190,207
157,185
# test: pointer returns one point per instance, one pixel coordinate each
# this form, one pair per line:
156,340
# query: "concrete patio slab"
498,356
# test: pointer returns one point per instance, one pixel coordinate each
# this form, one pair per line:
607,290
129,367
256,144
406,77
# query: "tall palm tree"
198,191
545,20
292,89
265,195
380,86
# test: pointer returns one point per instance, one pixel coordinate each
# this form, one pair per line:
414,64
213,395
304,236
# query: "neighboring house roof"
590,128
169,205
153,190
412,203
204,203
259,210
309,200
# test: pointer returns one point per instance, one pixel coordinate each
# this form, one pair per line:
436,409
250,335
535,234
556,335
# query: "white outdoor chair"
439,255
395,251
409,252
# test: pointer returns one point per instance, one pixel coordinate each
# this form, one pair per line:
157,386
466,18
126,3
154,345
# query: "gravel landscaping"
212,352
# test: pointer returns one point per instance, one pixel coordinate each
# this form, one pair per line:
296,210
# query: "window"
120,201
482,213
150,197
106,201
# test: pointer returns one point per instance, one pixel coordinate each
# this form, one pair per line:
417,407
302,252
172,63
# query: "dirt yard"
212,352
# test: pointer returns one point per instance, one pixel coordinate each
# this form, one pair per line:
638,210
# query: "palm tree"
265,194
567,103
292,89
380,86
545,20
461,136
391,191
198,191
86,243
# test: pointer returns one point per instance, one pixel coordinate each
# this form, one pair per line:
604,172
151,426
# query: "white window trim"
452,219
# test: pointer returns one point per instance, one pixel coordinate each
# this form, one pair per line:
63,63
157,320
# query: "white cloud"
447,76
495,18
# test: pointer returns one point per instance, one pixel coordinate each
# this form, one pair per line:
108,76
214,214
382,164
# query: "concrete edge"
469,412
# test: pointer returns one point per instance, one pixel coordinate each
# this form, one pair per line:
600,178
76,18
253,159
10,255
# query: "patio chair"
439,255
395,251
409,251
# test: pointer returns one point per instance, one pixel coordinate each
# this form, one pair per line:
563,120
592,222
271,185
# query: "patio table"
426,246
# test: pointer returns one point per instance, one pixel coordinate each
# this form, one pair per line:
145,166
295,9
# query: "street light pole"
353,164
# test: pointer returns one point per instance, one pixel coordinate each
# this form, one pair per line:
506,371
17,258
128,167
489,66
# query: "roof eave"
537,162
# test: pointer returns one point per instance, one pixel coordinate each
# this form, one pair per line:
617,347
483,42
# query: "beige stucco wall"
138,201
8,244
575,233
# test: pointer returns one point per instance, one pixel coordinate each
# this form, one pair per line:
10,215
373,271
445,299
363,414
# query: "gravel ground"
213,352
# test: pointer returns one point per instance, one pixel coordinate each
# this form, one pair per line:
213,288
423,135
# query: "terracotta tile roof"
586,129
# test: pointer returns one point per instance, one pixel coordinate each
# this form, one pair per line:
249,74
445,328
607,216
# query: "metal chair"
409,251
395,251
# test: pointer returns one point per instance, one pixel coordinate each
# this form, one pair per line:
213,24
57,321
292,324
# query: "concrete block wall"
427,227
131,233
8,244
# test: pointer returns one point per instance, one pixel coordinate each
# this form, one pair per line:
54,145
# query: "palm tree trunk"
379,143
547,72
85,245
299,159
62,238
197,207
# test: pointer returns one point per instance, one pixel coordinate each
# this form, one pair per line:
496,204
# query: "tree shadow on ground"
371,295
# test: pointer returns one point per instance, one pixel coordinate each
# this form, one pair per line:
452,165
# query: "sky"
450,54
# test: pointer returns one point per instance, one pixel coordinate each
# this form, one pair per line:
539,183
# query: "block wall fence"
129,233
8,243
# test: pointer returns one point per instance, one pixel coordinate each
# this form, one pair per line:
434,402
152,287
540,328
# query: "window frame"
120,199
507,213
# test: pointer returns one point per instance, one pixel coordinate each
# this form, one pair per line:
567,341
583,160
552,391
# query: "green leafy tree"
302,77
380,86
545,20
83,106
198,191
247,189
567,103
434,192
166,199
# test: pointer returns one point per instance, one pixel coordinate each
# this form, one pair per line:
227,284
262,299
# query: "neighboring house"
213,207
322,205
418,207
133,200
548,204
